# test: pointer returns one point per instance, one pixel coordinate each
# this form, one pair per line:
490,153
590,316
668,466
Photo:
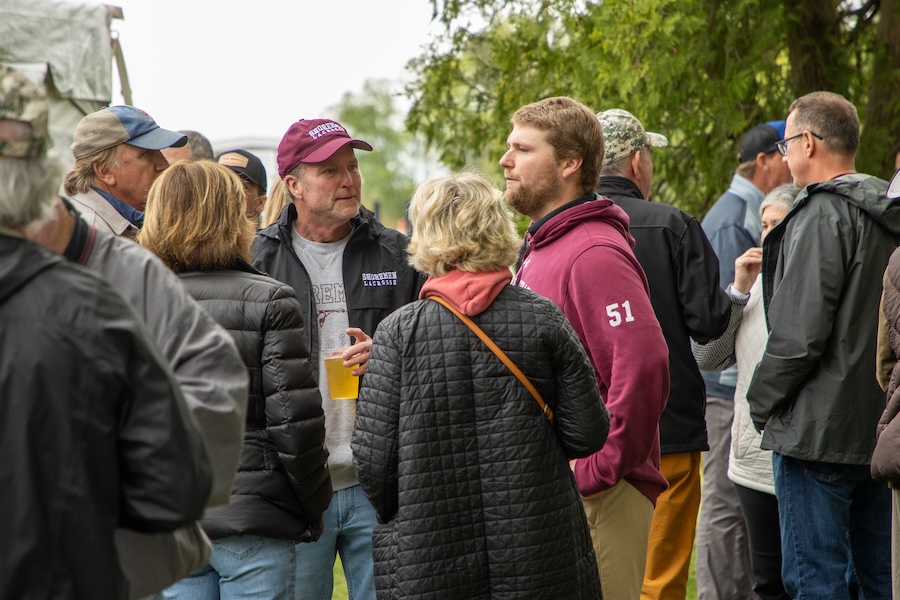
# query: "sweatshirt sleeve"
608,303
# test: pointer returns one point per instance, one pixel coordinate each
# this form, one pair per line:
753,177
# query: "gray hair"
782,197
201,149
80,178
28,186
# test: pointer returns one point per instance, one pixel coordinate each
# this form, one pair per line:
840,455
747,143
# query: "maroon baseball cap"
313,141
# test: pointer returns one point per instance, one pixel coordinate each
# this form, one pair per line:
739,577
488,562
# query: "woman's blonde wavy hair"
279,197
195,219
461,222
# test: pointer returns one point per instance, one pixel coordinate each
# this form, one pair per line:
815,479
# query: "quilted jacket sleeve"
580,417
295,422
375,437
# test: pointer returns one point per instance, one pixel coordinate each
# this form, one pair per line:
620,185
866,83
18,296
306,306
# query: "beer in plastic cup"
341,384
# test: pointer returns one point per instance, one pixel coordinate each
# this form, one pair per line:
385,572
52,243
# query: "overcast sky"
232,68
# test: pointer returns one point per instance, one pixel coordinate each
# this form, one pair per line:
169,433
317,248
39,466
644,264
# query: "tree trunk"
881,124
815,47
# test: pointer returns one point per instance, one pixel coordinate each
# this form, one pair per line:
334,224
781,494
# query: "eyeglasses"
781,145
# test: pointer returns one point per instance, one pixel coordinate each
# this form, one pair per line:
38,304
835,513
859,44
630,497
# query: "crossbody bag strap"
548,412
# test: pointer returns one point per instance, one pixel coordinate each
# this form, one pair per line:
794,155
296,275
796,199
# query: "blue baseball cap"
761,138
116,125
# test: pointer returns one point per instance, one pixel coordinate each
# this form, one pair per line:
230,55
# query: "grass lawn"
340,584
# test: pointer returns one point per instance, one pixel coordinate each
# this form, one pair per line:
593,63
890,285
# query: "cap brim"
158,139
329,148
656,140
893,190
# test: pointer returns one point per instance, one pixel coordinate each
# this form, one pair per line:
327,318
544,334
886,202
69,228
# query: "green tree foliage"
390,172
699,71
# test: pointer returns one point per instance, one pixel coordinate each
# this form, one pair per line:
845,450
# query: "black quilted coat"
470,479
282,485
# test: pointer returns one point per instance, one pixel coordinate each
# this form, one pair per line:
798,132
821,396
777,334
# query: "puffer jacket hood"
601,209
864,191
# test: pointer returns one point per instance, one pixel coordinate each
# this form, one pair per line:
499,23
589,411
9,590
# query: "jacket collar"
363,224
613,185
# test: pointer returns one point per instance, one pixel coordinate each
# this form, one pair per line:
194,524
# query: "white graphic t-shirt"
323,263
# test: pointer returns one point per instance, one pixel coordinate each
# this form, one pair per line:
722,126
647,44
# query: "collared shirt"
742,187
135,217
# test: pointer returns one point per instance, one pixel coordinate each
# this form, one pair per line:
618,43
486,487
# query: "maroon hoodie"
582,259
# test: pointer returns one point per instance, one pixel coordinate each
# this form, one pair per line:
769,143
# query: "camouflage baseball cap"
23,116
623,135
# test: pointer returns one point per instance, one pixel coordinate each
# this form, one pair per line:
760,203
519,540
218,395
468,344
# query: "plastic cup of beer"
341,384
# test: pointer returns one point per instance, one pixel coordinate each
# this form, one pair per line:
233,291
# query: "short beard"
533,200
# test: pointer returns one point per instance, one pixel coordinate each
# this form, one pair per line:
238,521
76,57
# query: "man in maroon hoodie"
579,254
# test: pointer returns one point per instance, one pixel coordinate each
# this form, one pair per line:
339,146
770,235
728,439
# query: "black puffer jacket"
456,456
282,486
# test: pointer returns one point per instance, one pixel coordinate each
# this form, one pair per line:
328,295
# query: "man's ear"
103,173
570,165
762,161
635,161
293,185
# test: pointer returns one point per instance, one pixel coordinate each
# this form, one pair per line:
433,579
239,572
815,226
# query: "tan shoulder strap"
548,412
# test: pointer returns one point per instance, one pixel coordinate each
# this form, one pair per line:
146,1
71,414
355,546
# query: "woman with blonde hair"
279,197
196,222
467,475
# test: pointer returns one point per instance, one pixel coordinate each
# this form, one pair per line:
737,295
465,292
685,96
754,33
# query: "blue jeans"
349,521
835,530
242,566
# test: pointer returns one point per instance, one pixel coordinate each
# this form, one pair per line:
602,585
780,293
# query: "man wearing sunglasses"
814,395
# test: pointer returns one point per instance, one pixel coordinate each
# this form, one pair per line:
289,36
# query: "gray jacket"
814,395
101,215
210,371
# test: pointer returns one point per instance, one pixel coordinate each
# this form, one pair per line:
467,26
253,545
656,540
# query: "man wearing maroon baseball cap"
352,271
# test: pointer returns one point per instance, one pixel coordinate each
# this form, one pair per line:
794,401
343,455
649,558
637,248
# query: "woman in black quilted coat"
195,222
469,480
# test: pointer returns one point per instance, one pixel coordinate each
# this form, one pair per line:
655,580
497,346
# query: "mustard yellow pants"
672,530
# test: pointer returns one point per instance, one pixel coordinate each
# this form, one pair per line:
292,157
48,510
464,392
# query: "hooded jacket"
683,274
458,459
814,395
582,259
94,431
